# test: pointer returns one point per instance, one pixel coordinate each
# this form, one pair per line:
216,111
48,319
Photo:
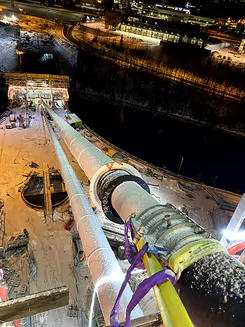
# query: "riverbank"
209,154
93,96
110,83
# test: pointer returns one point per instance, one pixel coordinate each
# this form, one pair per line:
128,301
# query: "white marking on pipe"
72,142
93,252
90,215
77,194
82,152
68,168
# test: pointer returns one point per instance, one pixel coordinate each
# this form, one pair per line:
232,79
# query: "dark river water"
32,63
210,156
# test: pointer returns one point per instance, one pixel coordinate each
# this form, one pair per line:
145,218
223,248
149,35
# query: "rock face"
9,58
65,51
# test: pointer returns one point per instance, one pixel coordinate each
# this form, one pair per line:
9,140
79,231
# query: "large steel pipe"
88,156
183,238
106,273
93,161
130,198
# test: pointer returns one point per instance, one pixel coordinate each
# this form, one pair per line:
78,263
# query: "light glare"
115,277
234,236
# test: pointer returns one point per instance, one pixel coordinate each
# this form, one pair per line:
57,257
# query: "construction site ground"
52,245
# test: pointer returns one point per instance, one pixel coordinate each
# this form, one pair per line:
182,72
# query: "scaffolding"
31,85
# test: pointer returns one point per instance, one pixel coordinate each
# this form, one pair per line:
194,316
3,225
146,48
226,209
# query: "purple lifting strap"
128,248
114,318
141,290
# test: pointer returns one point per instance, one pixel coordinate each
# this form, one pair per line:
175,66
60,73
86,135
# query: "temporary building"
74,121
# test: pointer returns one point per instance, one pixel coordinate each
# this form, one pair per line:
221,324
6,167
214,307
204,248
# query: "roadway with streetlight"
45,12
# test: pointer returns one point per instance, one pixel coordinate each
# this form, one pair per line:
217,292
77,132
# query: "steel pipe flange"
107,191
100,172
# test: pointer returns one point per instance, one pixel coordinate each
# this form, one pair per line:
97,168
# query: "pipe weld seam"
65,132
71,178
94,251
82,152
89,215
72,142
65,139
74,179
78,194
68,168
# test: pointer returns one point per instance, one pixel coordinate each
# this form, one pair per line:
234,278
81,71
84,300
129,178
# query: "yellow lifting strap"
171,308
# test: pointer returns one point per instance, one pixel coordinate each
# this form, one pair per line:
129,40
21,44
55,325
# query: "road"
67,35
46,12
74,17
222,36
